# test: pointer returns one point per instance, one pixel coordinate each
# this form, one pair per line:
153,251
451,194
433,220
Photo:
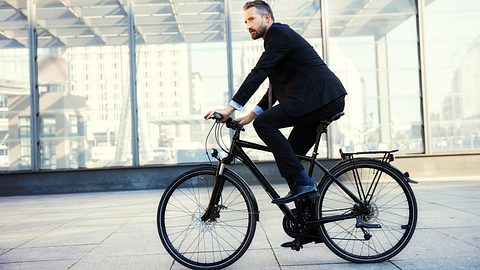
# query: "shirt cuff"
257,110
235,105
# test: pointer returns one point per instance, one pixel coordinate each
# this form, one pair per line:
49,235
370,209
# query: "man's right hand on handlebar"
225,112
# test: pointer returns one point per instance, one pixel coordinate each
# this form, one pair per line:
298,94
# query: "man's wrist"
235,105
257,110
230,109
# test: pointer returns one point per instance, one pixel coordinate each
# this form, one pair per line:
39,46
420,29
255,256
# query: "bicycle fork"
212,212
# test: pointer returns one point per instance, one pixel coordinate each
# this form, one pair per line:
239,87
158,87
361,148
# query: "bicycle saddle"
333,118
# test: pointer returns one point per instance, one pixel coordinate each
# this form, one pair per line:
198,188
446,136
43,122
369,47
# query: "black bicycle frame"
236,150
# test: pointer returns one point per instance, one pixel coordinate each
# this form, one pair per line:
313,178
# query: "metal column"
325,52
133,84
423,82
34,95
383,91
228,37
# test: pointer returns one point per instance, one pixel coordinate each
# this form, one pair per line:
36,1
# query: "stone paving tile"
66,236
468,263
142,262
130,244
261,259
38,265
46,253
341,266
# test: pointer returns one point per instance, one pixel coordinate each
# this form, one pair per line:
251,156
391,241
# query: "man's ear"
268,17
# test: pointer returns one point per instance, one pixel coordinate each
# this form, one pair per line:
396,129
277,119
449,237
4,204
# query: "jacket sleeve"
277,46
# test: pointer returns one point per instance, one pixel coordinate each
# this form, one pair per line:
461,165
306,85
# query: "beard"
256,34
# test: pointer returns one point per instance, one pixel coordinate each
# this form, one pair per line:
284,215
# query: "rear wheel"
210,244
385,220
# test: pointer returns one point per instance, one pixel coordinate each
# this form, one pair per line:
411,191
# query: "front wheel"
384,219
210,244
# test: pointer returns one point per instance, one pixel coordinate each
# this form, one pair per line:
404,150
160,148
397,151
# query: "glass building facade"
121,83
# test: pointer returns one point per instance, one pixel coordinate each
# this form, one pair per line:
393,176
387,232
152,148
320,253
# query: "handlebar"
230,123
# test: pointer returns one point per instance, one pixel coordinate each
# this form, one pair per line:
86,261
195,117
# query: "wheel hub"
208,224
372,212
197,222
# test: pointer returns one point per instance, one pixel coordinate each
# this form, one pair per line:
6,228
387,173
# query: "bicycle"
364,211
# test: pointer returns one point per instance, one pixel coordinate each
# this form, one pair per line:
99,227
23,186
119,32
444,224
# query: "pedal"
297,248
298,245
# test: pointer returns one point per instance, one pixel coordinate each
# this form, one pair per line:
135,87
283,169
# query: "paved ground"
117,230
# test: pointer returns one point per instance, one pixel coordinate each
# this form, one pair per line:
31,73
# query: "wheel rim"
389,207
196,243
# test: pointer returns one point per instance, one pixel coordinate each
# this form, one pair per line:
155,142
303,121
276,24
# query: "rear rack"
388,155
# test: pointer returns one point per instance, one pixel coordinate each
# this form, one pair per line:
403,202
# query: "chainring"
288,226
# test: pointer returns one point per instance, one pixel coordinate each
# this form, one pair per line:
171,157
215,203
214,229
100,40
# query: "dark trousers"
302,136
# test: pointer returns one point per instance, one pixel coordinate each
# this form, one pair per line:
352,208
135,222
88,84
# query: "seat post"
322,128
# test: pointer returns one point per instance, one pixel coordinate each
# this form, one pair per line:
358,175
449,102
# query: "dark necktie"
270,97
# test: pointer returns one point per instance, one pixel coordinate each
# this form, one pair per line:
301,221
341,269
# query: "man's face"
255,22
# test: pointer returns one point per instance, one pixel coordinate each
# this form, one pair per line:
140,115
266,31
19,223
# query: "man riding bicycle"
306,90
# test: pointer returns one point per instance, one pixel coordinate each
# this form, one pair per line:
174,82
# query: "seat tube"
321,129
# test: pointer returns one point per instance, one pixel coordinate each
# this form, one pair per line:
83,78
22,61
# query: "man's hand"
246,119
226,112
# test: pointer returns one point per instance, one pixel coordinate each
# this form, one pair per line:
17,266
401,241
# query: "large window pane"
452,46
373,49
83,75
15,144
303,16
181,74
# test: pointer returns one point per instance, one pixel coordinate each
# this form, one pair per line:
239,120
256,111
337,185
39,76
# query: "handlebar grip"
230,123
217,116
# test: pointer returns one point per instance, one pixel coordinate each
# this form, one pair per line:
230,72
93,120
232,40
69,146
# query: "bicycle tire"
199,244
392,206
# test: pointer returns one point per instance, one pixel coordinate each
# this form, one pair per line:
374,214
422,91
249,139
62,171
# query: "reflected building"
465,82
63,139
460,106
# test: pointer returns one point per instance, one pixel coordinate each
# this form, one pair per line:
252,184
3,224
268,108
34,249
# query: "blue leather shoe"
298,192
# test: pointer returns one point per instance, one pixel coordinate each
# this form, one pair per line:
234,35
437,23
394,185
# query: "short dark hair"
262,6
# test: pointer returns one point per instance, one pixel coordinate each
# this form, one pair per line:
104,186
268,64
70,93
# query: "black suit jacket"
300,80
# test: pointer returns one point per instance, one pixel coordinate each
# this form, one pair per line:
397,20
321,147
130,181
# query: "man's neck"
268,27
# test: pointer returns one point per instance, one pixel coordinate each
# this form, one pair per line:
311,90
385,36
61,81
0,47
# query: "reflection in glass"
452,46
15,144
372,48
181,73
83,76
